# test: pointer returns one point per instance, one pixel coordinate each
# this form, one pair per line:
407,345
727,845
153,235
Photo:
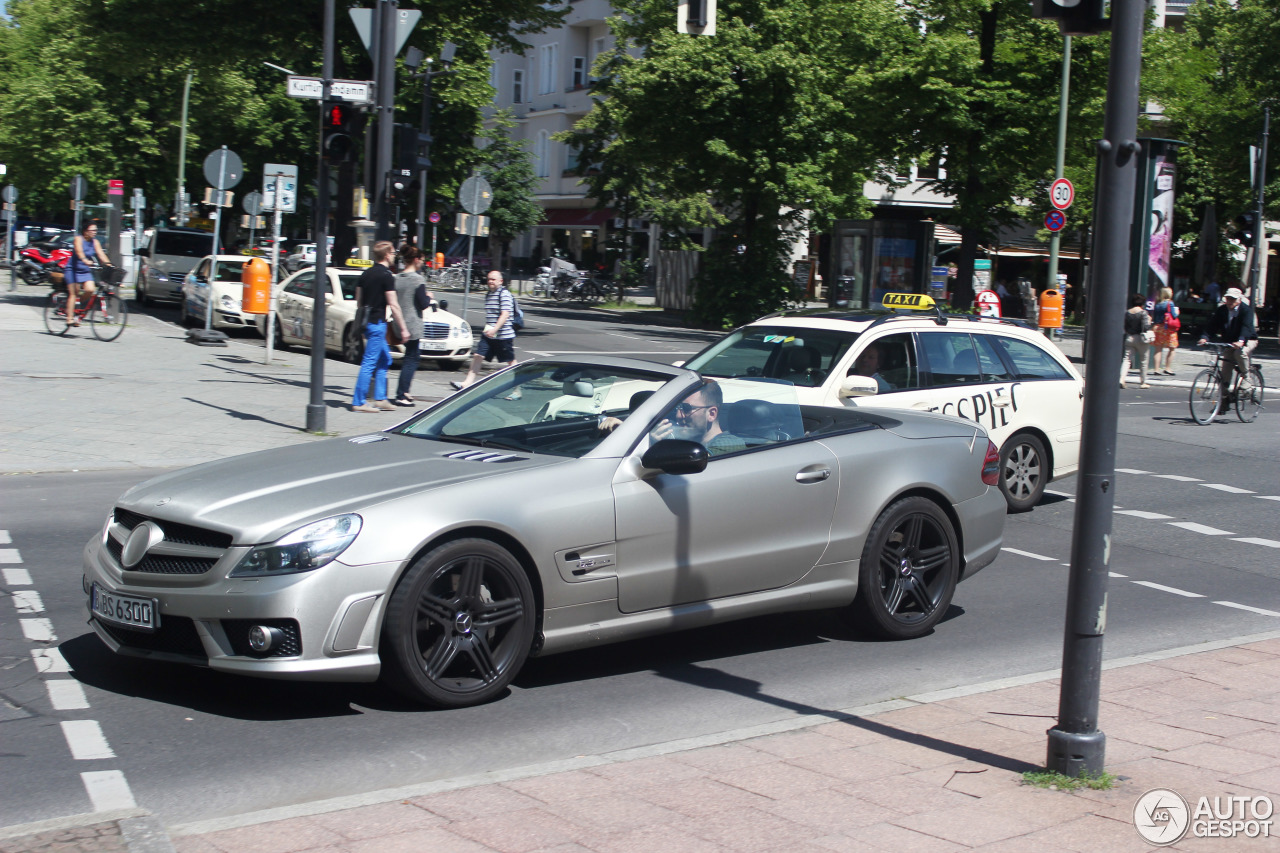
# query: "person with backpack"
1138,336
497,343
1168,322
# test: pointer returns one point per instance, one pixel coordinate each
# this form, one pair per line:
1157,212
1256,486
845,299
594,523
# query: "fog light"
264,639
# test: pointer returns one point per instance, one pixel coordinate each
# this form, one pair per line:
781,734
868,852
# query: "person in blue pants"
375,293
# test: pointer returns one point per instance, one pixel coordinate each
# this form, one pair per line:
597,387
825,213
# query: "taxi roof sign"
912,301
359,262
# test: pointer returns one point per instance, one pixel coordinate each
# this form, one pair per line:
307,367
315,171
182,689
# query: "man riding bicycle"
1232,323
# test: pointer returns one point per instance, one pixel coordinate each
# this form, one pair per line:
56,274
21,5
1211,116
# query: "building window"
933,170
572,159
517,86
548,68
597,48
542,154
579,72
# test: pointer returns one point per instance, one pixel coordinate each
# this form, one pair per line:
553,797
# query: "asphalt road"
192,745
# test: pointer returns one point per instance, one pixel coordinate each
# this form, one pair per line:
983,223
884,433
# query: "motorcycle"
40,263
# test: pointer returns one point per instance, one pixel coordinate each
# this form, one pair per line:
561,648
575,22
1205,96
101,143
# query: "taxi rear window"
1031,361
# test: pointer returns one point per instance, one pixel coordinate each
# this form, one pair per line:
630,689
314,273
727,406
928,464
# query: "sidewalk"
939,772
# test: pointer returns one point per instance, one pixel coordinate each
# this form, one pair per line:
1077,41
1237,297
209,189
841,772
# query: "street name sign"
355,91
1062,193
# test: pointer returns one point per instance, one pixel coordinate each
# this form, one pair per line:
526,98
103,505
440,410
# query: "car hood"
261,496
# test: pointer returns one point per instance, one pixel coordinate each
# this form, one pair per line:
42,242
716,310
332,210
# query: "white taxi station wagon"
1001,374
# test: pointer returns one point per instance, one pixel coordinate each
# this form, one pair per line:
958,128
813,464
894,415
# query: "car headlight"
310,547
464,330
229,303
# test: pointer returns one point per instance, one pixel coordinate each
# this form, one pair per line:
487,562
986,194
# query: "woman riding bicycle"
86,254
1232,323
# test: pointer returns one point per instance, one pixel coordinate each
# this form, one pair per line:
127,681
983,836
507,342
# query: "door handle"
1000,402
813,476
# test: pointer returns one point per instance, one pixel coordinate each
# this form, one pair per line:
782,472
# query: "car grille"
435,331
183,534
161,563
176,636
238,635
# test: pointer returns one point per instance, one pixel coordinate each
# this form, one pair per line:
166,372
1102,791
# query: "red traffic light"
339,115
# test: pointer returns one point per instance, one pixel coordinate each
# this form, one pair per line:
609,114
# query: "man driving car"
697,418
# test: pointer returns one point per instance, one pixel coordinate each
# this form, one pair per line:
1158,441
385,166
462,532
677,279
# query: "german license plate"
434,348
127,610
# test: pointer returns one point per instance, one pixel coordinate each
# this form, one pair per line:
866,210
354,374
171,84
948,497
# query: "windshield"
185,245
560,408
800,356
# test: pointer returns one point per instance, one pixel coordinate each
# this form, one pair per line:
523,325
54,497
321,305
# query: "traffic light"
398,185
339,125
413,149
1247,229
1074,17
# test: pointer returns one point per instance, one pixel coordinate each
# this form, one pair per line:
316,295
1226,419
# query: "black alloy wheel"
1024,471
459,625
910,567
278,336
352,344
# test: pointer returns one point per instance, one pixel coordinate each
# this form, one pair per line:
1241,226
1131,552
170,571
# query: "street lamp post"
413,60
180,202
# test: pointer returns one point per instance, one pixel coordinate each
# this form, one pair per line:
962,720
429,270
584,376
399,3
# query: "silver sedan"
559,504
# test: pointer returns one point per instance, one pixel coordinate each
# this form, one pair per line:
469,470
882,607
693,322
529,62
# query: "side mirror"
202,279
676,456
142,252
858,386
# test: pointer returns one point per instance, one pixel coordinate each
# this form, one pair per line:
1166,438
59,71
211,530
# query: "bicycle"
107,313
583,288
449,278
1206,391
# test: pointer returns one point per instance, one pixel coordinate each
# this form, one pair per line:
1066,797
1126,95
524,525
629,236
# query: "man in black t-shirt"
375,293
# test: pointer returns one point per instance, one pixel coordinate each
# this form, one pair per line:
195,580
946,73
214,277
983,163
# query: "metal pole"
217,234
466,288
425,128
180,207
275,262
1260,229
386,115
1056,238
1075,745
315,408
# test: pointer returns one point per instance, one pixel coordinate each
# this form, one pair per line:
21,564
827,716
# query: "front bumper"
332,616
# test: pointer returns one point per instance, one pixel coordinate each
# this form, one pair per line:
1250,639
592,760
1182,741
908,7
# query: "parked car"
1002,374
442,552
445,337
167,257
228,293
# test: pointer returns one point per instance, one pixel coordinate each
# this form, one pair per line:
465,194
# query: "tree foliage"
508,166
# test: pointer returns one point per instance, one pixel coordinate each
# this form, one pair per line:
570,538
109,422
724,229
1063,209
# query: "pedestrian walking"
1138,337
1168,323
86,253
375,293
497,343
414,298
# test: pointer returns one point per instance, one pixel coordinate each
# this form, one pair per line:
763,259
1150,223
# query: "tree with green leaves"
507,164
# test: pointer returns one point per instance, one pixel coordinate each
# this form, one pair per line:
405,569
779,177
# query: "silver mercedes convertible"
560,503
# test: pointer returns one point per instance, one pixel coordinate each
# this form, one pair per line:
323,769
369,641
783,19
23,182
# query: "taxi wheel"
280,343
909,570
459,625
1024,471
352,344
183,317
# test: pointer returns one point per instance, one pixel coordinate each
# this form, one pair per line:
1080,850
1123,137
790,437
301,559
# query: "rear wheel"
1249,396
910,566
352,344
1024,470
459,625
278,337
1206,395
109,316
55,313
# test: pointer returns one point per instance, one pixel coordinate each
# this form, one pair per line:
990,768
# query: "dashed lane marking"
1179,478
49,661
1172,589
10,555
16,577
27,601
1222,487
1201,528
66,695
1029,554
1253,540
1117,575
1268,497
1131,471
4,538
39,630
1258,610
86,740
1059,494
108,790
1138,513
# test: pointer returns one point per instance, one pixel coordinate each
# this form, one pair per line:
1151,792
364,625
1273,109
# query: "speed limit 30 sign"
1061,194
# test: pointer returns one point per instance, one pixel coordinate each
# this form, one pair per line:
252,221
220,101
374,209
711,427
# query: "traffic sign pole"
1055,240
10,197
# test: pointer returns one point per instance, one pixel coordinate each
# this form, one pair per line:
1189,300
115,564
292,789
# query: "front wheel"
1024,470
1206,396
910,567
55,313
1249,396
141,294
108,317
352,344
561,292
459,625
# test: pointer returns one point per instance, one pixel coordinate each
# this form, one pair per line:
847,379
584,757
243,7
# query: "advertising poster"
894,266
1163,168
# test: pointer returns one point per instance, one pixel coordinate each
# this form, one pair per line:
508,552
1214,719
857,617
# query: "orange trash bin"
256,277
1051,310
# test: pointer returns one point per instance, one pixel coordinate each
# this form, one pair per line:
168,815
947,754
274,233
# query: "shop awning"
576,217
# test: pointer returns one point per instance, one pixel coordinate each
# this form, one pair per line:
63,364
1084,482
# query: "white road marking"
1225,488
1201,528
1059,494
1172,589
1253,540
86,740
1131,471
1117,575
38,630
1247,607
1029,554
108,790
49,661
1179,478
16,577
1268,497
628,337
1137,513
66,694
10,555
4,538
27,601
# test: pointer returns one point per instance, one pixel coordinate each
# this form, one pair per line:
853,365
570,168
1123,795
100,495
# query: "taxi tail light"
991,465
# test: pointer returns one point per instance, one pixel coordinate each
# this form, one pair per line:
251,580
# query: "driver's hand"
1202,342
609,424
662,431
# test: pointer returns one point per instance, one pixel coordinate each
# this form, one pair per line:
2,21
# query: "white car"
1001,374
445,337
228,293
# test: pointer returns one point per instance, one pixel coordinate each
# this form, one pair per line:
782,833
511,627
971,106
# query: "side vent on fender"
367,439
484,456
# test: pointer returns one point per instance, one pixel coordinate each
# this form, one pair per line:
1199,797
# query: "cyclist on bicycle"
1232,323
86,255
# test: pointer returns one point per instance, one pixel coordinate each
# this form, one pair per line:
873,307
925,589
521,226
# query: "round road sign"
1055,220
476,195
252,203
1062,194
433,218
223,169
10,194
